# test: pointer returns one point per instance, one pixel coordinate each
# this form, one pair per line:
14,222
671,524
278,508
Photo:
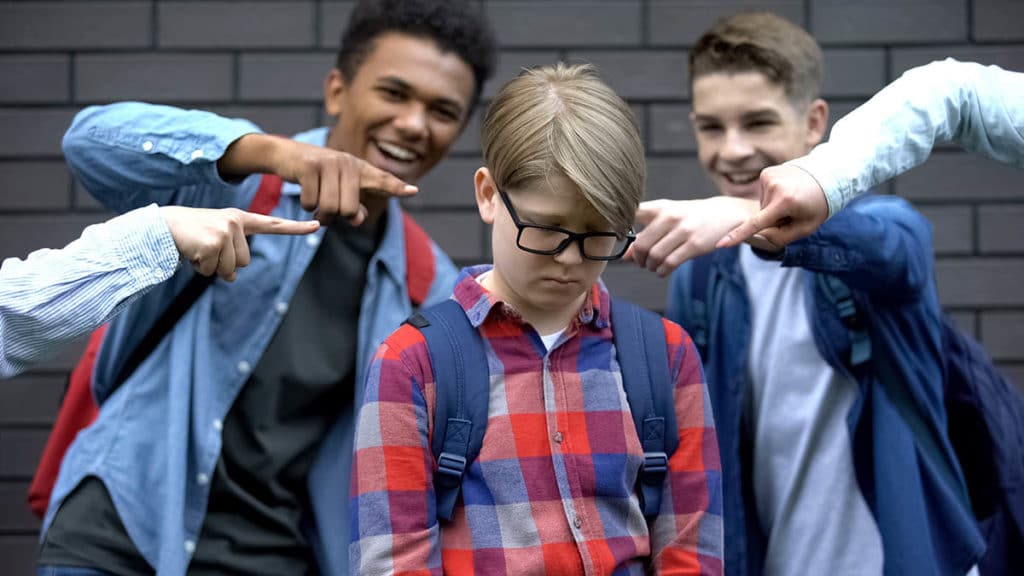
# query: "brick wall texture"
265,60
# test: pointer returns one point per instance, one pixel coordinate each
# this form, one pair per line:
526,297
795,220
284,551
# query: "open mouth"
741,178
396,153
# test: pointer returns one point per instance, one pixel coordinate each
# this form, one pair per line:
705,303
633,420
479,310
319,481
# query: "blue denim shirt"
158,436
881,248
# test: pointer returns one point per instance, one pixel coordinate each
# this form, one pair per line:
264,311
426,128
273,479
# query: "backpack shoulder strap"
697,305
642,352
839,295
462,382
419,261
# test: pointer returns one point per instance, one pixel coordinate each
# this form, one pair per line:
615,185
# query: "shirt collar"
478,302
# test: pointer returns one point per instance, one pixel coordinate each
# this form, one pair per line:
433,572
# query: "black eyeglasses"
550,240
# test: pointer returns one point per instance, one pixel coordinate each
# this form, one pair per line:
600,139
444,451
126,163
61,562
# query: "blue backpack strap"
698,305
838,293
642,353
462,381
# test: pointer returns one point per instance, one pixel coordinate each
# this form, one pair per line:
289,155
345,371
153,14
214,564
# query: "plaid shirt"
552,491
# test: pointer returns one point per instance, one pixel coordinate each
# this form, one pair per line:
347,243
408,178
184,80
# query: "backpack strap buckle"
652,479
450,469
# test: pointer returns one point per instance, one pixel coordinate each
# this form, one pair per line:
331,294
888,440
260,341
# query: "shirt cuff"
817,166
145,245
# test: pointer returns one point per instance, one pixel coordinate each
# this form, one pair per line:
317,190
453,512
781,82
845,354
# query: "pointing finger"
375,180
260,224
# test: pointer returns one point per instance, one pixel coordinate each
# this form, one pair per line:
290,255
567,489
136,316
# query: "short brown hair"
564,120
761,42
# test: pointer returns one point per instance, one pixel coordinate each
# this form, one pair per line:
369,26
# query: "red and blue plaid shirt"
552,491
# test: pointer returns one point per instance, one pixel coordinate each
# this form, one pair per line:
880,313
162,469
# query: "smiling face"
744,123
546,290
404,107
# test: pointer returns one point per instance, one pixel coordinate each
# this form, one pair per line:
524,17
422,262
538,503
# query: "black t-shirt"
258,518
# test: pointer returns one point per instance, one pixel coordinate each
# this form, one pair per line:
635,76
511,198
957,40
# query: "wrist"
250,154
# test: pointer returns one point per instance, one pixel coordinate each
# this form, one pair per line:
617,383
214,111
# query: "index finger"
378,181
259,224
646,212
767,217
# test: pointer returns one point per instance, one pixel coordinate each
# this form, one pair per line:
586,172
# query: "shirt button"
577,522
197,153
218,425
281,308
558,437
312,240
202,479
147,145
190,546
244,367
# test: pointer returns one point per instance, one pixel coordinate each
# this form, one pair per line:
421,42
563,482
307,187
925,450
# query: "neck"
544,320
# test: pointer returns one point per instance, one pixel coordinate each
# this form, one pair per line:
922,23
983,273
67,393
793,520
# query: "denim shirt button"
202,479
312,241
244,367
281,308
190,546
147,145
197,153
218,424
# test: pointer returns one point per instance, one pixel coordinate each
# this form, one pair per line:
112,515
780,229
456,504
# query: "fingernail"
410,189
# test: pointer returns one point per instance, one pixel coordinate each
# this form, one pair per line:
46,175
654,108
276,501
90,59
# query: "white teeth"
397,151
741,178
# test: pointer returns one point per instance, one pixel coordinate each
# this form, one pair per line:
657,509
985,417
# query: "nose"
572,255
412,121
736,146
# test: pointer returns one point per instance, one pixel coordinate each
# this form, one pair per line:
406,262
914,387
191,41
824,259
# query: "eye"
761,124
709,128
390,93
446,114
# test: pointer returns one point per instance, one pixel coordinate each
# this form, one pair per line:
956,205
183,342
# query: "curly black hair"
455,25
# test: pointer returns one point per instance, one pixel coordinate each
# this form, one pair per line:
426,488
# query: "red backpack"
78,408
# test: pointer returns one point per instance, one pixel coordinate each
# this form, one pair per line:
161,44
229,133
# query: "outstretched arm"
130,154
979,107
55,296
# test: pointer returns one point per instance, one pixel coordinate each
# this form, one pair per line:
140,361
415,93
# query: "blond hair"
761,42
564,120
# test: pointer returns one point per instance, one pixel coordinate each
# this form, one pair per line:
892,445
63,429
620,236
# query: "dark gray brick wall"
265,60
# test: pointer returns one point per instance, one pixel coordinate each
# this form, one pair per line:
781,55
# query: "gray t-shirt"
808,501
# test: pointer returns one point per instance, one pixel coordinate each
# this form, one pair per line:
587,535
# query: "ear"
334,92
817,122
486,194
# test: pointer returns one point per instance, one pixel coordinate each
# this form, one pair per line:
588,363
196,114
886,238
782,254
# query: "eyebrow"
442,101
746,116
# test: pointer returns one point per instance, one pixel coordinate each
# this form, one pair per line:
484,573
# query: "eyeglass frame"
571,236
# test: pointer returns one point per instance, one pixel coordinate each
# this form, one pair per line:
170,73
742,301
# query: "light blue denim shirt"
981,108
158,436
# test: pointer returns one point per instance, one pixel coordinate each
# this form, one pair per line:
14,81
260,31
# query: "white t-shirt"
808,500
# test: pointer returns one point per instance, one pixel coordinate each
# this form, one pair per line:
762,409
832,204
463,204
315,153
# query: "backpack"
79,407
462,378
985,416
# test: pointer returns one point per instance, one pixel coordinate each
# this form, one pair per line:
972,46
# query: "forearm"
131,154
55,296
980,108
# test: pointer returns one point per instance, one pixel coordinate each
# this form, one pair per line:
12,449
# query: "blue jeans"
69,571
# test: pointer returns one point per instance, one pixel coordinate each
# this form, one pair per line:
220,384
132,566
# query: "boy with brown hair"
822,360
